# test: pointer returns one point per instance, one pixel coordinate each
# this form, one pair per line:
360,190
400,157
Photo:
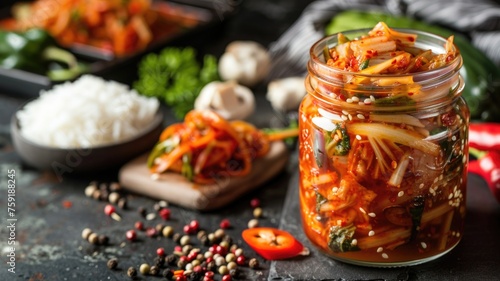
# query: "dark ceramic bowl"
88,160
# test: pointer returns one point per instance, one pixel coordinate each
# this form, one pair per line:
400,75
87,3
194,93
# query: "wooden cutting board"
174,188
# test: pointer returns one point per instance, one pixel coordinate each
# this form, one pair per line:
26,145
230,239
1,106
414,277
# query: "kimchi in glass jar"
383,147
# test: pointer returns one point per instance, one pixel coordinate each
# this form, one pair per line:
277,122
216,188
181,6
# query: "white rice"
86,113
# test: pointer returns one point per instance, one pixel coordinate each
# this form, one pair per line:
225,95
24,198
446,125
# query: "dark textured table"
51,214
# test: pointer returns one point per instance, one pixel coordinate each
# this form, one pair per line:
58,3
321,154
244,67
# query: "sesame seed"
361,103
358,137
354,242
380,249
344,118
349,100
385,256
435,180
454,138
350,117
372,215
360,116
424,245
355,99
450,196
401,193
335,189
367,101
371,233
372,98
362,210
345,112
421,186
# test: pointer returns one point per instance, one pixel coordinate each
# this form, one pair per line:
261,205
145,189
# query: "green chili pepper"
481,75
33,50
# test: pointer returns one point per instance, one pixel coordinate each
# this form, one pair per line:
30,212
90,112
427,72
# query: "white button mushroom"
286,94
247,62
229,99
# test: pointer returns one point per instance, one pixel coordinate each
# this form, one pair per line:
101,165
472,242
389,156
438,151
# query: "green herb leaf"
175,77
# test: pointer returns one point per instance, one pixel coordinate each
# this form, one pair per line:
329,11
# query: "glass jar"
383,168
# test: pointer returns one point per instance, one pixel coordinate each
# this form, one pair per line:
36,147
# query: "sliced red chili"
272,243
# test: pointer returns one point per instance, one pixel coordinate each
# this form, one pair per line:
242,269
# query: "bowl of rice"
88,125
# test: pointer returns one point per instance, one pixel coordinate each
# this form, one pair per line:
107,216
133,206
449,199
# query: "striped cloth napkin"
479,19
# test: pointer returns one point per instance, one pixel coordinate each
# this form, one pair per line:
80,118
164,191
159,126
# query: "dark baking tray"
27,84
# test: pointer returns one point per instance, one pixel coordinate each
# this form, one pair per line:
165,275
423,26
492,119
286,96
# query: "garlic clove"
286,94
229,99
247,62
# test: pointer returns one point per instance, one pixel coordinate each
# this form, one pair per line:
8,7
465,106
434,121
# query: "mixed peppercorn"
198,254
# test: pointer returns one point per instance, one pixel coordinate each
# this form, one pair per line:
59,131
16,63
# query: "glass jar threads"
383,147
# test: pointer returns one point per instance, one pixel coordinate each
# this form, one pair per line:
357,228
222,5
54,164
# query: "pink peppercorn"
131,235
164,213
160,252
225,224
195,225
240,260
109,209
139,225
255,202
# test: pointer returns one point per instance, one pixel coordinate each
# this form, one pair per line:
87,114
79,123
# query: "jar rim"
316,47
444,77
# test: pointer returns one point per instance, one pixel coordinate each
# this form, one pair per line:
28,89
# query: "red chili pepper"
272,243
484,136
488,167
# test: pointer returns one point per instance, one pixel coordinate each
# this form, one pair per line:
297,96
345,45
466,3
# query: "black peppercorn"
195,276
211,266
103,240
104,195
103,187
122,203
154,270
159,261
204,240
132,272
253,263
112,263
168,273
234,272
171,259
227,239
176,237
142,211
